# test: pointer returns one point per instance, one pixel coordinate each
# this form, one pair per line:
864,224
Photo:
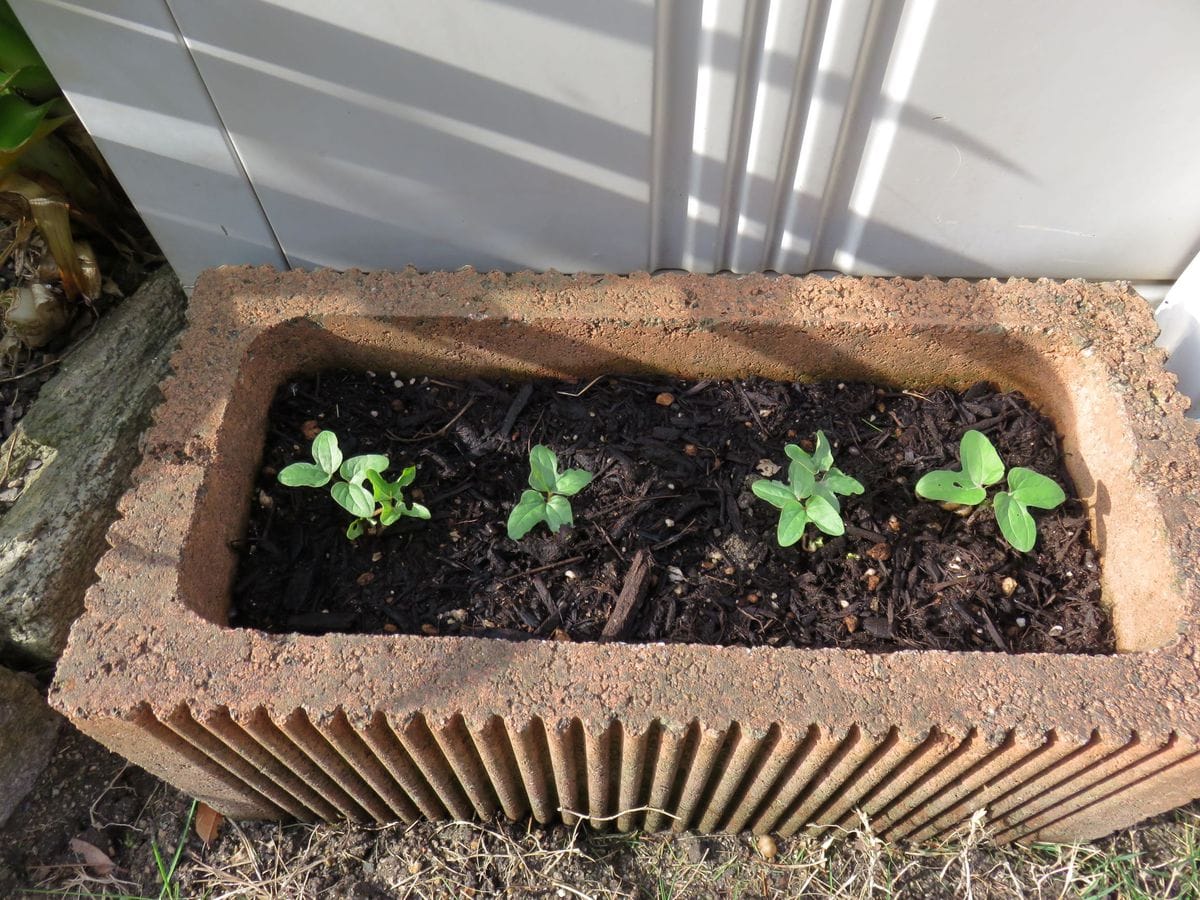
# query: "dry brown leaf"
93,857
208,823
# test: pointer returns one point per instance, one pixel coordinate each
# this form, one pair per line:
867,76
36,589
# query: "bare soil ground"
138,824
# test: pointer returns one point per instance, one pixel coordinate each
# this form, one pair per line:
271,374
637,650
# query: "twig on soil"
750,406
587,387
433,434
34,370
867,533
991,629
952,582
633,591
624,812
514,410
545,568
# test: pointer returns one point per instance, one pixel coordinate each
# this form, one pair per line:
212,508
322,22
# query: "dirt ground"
127,826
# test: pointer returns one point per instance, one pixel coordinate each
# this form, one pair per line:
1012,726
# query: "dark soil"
673,481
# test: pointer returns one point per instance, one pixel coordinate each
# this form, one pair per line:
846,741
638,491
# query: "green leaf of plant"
792,521
841,483
950,487
824,515
325,451
354,498
23,124
801,479
304,475
543,469
18,55
355,529
355,468
572,481
778,495
381,490
798,454
559,513
390,515
1034,489
27,79
1016,524
407,476
822,454
417,511
980,461
530,510
822,490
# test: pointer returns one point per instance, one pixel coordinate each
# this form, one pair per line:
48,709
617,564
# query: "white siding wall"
919,137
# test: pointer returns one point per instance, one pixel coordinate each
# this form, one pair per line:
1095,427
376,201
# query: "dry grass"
473,860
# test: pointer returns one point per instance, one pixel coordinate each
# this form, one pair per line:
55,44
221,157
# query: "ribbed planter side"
391,728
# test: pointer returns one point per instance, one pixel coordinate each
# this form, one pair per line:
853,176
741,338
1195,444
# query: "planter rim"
168,656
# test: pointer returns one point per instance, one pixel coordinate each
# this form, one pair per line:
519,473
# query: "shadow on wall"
370,151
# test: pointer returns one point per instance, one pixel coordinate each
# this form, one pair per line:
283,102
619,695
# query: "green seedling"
547,501
811,493
981,468
362,491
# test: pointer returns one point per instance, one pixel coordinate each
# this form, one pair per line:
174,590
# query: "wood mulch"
669,544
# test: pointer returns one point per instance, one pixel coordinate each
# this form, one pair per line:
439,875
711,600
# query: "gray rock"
28,728
83,431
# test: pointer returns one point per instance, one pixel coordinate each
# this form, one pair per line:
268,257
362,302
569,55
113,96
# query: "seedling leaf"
802,479
354,469
543,469
950,487
841,483
354,498
406,478
355,529
980,461
325,451
530,510
1034,489
825,516
822,491
559,513
304,475
1016,524
792,522
823,454
572,481
380,488
417,511
778,495
798,454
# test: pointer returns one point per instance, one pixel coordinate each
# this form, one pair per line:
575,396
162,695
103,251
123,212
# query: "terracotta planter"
393,727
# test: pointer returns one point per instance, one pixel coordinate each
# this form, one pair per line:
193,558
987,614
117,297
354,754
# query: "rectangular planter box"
395,727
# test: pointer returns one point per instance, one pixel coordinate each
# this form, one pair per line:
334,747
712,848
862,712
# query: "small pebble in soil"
664,399
1008,586
766,846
